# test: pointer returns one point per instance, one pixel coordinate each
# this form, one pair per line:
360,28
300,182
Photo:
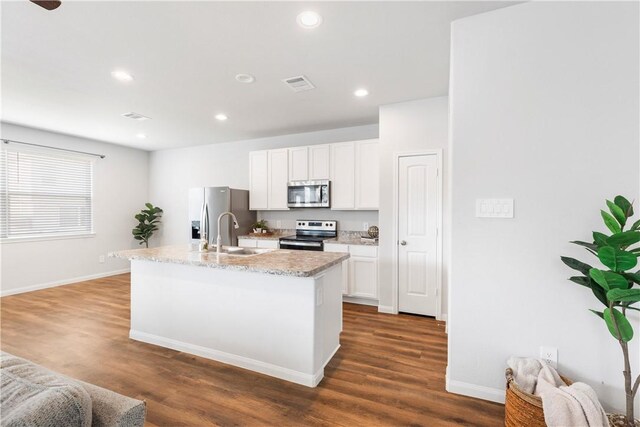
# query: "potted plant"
259,226
148,220
615,286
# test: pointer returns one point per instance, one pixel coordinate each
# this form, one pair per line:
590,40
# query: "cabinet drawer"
363,251
247,243
269,244
335,247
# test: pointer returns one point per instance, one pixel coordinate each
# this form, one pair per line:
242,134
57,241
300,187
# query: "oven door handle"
313,244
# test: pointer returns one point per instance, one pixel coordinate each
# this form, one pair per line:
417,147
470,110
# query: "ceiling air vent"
135,116
299,83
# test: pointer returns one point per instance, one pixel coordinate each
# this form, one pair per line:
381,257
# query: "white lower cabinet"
268,244
363,277
360,271
257,243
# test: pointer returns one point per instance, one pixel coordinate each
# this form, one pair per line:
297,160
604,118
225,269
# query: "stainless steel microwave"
308,194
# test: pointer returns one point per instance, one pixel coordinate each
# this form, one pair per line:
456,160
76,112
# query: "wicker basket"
522,409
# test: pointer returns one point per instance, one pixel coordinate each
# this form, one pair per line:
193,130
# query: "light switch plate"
494,208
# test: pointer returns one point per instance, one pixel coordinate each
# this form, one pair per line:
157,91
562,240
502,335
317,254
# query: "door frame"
439,256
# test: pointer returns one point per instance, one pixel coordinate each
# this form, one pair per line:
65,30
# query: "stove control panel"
316,225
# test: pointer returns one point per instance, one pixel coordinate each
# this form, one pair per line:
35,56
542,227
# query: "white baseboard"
53,284
473,390
309,380
444,318
358,300
386,309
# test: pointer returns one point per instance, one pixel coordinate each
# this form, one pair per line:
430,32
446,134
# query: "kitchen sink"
237,251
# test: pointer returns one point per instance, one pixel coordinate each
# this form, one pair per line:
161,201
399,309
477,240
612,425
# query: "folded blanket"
576,405
525,372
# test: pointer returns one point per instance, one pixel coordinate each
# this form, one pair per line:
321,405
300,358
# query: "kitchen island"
277,312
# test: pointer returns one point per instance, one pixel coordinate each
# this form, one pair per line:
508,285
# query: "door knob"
403,242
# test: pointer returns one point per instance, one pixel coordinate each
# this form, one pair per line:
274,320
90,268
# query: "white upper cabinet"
367,175
298,164
353,168
278,166
258,180
309,163
319,161
343,176
355,180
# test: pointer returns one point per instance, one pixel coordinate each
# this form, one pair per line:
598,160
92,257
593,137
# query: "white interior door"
417,234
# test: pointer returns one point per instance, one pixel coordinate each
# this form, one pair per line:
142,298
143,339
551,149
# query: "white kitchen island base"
284,326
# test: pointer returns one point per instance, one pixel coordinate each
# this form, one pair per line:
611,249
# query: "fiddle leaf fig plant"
616,286
148,220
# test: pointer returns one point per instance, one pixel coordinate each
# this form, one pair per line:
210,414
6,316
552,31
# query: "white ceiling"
184,55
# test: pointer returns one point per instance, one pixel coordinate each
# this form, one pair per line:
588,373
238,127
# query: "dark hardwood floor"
388,372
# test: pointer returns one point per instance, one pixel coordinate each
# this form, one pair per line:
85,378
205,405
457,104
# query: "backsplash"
347,220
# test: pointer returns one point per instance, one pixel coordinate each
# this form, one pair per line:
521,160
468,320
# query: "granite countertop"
351,240
278,262
277,234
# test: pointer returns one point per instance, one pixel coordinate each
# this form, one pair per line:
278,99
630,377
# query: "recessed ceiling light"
123,76
361,92
309,19
245,78
136,116
221,117
141,135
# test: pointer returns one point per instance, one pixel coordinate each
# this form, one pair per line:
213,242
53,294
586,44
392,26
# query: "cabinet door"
278,177
367,175
269,244
258,180
298,164
363,277
335,247
319,160
345,277
247,243
342,176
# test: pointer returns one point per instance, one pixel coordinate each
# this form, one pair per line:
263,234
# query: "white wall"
409,127
173,172
544,108
120,191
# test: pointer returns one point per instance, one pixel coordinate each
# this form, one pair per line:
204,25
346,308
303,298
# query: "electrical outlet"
365,226
101,259
549,355
278,224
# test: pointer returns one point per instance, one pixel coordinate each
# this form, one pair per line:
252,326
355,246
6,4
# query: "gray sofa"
31,395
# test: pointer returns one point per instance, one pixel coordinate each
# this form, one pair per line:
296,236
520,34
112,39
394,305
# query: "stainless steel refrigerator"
207,203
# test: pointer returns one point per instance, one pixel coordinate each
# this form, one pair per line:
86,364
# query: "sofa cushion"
111,409
34,396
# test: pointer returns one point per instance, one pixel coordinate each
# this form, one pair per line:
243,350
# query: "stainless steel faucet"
219,238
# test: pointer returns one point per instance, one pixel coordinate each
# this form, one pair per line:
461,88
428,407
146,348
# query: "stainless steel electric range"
310,234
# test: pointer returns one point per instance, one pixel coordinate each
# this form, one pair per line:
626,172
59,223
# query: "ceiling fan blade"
49,5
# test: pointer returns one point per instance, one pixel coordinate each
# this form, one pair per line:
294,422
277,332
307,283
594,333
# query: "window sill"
46,238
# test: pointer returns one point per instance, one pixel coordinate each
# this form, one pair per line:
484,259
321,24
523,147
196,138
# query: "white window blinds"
43,193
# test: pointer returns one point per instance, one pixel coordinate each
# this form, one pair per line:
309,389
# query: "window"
44,194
